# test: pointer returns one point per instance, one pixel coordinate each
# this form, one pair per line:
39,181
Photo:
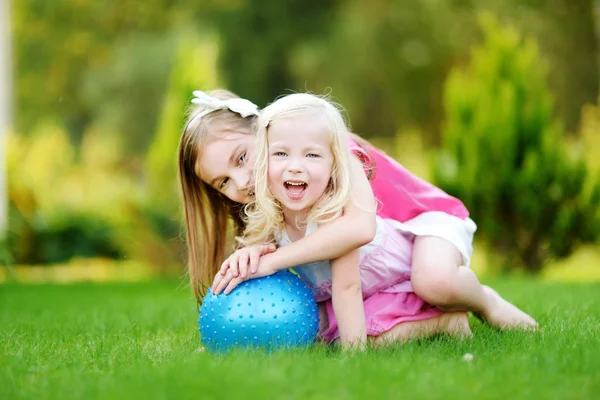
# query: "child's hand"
238,262
230,282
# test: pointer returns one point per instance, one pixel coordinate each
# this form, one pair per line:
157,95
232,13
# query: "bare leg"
439,278
453,323
505,315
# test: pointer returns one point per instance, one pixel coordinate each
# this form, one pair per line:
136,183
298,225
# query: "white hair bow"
241,106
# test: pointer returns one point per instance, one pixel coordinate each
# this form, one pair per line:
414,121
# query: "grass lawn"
88,341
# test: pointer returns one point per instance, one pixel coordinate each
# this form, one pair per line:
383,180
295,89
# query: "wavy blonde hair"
210,216
264,216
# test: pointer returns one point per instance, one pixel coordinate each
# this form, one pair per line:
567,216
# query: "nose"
242,179
295,166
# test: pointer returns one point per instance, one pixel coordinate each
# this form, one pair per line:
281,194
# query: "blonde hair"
264,214
209,215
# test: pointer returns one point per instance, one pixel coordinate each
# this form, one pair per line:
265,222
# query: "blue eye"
279,154
242,159
312,155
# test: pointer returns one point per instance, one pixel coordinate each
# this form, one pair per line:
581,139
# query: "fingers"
243,265
224,267
239,265
234,264
254,257
228,282
216,281
222,283
233,284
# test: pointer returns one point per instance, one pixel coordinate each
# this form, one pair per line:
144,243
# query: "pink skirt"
383,311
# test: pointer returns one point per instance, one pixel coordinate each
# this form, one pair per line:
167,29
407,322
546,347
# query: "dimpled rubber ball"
271,312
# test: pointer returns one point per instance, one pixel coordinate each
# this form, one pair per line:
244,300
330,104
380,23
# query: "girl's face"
226,162
300,161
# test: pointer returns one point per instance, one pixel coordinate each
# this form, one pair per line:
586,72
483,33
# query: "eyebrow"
231,157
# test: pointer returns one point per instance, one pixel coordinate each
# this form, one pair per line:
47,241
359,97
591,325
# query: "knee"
437,286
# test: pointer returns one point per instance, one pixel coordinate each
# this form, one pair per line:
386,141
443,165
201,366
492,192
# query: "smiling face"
226,161
300,161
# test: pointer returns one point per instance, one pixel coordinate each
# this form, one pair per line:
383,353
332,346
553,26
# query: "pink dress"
423,208
385,267
401,194
408,207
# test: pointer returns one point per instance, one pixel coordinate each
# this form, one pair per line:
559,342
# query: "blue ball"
271,312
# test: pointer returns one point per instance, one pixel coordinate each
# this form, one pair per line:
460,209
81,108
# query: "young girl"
215,153
303,180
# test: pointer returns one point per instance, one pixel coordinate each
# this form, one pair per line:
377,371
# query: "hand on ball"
239,261
228,281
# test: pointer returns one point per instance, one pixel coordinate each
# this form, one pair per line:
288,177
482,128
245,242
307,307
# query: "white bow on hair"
241,106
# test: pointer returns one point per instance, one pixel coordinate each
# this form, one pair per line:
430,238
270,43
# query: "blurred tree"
57,44
82,203
124,96
505,155
257,41
589,132
107,60
596,16
386,61
194,68
566,33
53,216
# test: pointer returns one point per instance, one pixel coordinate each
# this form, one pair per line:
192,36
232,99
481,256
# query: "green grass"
90,341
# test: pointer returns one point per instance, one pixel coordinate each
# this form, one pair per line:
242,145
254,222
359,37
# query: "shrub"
506,156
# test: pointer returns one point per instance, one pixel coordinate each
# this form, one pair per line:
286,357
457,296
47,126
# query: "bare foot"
455,323
504,315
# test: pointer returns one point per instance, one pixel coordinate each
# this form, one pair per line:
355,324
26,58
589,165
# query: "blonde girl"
303,180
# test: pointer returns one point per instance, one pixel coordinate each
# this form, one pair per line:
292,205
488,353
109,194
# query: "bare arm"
347,301
355,228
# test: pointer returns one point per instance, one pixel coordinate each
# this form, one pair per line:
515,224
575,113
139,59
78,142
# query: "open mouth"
295,189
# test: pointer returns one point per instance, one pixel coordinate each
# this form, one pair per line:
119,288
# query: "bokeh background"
494,101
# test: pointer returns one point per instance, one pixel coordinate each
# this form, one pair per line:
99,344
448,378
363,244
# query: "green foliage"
6,257
386,61
505,156
64,236
63,206
257,42
194,69
113,73
567,35
52,199
589,132
88,202
123,95
83,62
62,48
